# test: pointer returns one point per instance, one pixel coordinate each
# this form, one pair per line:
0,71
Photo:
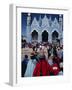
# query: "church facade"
44,30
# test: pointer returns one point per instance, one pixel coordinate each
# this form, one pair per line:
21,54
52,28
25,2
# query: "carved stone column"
50,38
39,37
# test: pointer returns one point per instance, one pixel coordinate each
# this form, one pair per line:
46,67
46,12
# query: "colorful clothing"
42,68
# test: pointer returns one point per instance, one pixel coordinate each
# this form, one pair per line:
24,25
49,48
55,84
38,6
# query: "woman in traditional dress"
30,66
42,67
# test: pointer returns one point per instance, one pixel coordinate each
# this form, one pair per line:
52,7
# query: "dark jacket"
24,66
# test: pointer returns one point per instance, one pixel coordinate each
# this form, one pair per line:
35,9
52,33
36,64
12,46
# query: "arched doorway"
44,36
55,36
34,35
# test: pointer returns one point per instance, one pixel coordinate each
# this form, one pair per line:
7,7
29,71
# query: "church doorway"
55,36
45,36
34,35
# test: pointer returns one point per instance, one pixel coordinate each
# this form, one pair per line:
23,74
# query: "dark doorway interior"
54,35
34,35
45,36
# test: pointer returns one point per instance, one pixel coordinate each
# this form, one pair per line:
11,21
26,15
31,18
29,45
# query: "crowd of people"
45,60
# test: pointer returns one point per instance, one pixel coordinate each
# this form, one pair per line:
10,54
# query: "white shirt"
50,62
